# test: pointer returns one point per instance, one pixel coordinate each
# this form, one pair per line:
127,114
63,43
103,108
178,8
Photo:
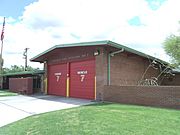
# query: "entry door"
82,79
57,79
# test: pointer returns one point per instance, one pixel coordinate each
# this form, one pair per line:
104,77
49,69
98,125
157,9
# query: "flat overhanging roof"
24,73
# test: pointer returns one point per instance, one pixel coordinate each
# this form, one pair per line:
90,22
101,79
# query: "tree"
15,68
172,48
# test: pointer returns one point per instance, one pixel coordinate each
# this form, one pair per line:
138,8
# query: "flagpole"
1,48
2,37
1,59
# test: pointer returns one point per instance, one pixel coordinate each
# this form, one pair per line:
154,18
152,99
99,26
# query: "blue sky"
40,24
155,4
135,21
13,8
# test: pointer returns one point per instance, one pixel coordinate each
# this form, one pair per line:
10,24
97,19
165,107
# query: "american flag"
2,33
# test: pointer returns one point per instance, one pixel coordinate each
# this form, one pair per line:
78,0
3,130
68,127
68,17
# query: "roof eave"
35,59
39,55
135,52
96,43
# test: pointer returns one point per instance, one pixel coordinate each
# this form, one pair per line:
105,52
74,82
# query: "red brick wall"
127,69
161,96
173,81
70,54
21,85
101,73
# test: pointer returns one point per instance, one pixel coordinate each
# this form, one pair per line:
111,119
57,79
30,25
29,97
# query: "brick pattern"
21,85
101,73
70,54
173,81
162,96
127,69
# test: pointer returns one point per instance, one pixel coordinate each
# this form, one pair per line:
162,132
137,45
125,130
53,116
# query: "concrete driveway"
14,108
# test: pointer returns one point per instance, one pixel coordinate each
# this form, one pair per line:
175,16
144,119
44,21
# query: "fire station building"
81,70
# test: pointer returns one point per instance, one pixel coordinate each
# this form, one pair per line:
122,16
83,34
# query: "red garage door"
82,75
57,79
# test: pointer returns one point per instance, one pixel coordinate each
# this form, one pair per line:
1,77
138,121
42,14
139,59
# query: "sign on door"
57,75
82,75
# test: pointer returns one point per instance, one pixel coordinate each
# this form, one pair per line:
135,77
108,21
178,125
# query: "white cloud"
49,22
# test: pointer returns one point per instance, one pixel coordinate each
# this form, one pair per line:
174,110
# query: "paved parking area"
14,108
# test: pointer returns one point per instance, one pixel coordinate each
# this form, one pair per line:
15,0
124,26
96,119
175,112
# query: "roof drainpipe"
109,63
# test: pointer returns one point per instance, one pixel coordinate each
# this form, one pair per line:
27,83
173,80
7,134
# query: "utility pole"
25,57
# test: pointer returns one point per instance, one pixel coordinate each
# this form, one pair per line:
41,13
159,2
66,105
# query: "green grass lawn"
100,119
7,93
